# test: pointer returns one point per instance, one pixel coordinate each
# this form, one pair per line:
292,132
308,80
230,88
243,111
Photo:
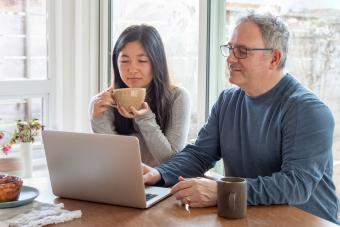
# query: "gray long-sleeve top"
156,147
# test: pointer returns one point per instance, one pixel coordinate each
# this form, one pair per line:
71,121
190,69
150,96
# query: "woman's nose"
133,67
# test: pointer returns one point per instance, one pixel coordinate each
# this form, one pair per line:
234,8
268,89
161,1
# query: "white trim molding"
104,50
202,61
216,60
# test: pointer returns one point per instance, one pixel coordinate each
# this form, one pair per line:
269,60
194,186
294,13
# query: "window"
314,48
24,84
178,24
23,46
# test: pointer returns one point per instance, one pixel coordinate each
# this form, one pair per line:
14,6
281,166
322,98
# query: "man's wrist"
160,180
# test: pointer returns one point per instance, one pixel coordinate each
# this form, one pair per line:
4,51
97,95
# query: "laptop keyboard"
150,196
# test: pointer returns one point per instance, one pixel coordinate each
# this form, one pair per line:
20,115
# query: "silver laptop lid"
95,167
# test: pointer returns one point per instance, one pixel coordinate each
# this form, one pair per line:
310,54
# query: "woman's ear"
276,58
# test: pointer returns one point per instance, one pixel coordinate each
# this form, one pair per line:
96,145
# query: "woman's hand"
102,102
132,112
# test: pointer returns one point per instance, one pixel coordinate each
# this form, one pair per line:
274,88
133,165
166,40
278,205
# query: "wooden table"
169,213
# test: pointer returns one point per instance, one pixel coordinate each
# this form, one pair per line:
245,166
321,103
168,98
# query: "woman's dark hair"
159,92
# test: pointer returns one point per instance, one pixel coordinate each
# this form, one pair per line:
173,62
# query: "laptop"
99,168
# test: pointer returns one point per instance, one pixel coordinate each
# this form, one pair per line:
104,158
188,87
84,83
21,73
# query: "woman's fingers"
103,101
122,111
132,112
109,89
144,108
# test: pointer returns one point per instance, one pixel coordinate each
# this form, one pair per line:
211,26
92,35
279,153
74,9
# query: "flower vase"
26,155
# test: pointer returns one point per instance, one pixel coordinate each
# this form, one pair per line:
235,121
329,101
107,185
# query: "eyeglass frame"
246,49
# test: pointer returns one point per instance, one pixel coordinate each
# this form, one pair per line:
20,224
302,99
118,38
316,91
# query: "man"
271,130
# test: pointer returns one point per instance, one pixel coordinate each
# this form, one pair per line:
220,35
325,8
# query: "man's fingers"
181,186
196,204
180,178
146,178
183,194
150,175
146,168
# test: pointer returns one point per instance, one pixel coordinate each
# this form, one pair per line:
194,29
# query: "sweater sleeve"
164,146
104,123
198,158
306,152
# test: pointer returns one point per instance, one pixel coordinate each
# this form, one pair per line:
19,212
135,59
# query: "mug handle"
231,202
113,96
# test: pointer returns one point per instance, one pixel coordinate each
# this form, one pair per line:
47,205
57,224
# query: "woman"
162,124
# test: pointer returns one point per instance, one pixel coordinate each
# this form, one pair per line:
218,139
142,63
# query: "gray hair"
274,31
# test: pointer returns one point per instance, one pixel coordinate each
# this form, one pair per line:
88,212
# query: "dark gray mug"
232,197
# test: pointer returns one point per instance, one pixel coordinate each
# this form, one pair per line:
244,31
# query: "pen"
187,201
187,207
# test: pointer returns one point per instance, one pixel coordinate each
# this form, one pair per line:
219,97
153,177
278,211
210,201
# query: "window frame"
30,87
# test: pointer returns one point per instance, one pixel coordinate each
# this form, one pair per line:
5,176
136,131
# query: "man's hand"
197,192
150,175
132,112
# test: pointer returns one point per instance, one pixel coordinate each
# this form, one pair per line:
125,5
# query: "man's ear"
276,58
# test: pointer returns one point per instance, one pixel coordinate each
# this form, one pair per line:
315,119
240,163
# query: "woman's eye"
123,61
143,60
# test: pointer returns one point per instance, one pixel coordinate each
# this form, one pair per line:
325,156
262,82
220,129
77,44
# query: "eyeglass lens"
239,52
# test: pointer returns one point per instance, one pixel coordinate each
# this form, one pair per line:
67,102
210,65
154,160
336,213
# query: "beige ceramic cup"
127,97
232,197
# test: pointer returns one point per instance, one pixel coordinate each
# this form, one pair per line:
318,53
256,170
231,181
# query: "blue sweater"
280,141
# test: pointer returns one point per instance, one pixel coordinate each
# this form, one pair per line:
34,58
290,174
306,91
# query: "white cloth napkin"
36,214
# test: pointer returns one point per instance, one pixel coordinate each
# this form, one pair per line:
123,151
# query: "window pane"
39,68
11,23
12,68
37,6
23,55
16,44
37,25
23,39
10,5
180,37
19,109
38,47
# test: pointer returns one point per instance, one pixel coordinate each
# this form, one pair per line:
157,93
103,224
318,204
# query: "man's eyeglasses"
239,52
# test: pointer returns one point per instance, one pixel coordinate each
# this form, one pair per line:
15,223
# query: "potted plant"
26,131
25,134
